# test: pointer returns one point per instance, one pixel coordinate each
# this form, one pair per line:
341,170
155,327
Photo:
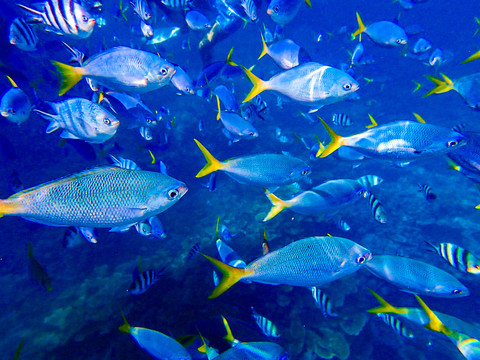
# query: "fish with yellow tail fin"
15,105
236,126
468,346
157,344
372,121
265,170
120,68
466,87
37,271
327,198
400,141
311,84
384,33
286,53
307,262
475,56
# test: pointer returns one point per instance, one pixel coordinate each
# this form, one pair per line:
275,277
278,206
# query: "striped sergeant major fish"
341,119
458,257
427,191
142,281
323,302
376,208
63,17
396,325
22,35
267,326
250,9
177,4
141,8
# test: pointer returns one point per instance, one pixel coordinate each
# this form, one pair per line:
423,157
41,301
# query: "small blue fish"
226,234
427,192
226,97
250,9
157,228
197,20
141,8
283,11
342,225
421,46
89,234
383,32
182,81
144,229
15,105
143,281
357,54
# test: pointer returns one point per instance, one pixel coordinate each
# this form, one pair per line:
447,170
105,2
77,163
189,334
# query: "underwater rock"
353,323
329,343
283,300
59,317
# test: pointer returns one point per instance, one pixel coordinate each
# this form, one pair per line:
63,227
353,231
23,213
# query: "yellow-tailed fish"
15,105
373,122
101,197
120,68
416,277
157,344
400,141
286,53
307,262
475,56
382,32
466,86
265,170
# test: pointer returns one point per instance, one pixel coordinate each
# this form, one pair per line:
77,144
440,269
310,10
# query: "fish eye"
361,259
250,133
305,172
107,121
163,71
452,143
457,292
172,194
149,121
276,9
347,86
84,18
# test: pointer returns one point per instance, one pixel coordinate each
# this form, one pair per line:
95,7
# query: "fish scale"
102,197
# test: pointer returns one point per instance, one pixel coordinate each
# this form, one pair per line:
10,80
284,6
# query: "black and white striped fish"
123,163
22,35
177,4
376,208
396,325
260,104
250,9
143,281
141,8
341,119
267,327
63,17
460,258
369,181
323,302
427,191
342,225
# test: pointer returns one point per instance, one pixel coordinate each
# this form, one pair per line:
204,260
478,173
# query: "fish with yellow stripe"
466,86
308,262
101,197
400,141
265,170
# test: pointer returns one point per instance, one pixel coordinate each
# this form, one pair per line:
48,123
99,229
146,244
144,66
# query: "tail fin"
265,48
335,143
230,277
11,81
8,207
70,76
229,337
229,58
308,2
373,122
452,165
361,27
212,163
419,118
277,205
259,85
471,58
442,86
321,147
385,306
219,110
125,328
435,324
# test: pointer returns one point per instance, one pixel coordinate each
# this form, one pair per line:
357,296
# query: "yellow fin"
442,86
277,205
70,76
434,324
219,110
308,2
125,328
471,58
152,156
321,147
11,81
386,307
100,97
9,207
373,122
19,349
264,49
230,277
361,26
335,142
419,118
452,165
229,337
212,163
417,87
259,85
216,228
229,58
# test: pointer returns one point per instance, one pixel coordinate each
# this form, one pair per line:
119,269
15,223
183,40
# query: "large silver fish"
416,276
81,119
307,262
120,69
400,141
63,17
102,197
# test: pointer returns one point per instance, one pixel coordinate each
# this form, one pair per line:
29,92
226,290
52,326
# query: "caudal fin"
335,142
212,163
471,58
434,324
8,207
70,76
441,86
230,277
361,26
264,49
259,85
278,205
385,307
125,328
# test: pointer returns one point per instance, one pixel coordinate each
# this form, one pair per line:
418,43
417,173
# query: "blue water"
79,318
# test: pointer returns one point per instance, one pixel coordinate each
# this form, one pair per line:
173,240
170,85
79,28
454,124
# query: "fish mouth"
5,113
182,190
269,11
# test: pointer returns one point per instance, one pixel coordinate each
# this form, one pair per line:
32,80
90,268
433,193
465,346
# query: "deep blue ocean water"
79,318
